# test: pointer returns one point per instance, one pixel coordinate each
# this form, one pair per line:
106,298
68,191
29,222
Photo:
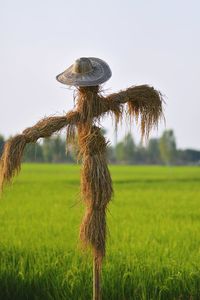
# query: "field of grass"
153,247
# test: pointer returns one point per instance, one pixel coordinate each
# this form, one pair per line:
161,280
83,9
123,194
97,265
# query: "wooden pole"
96,279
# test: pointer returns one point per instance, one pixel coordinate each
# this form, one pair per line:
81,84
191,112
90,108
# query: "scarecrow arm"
144,104
13,150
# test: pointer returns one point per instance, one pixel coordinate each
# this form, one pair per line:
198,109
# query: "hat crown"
86,71
82,65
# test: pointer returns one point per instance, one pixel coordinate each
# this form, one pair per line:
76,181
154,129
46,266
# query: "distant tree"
2,141
125,150
54,150
188,156
111,155
192,155
58,149
47,150
158,151
153,152
33,153
129,148
167,146
141,155
119,150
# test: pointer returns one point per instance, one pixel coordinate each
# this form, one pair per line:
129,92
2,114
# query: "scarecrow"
142,103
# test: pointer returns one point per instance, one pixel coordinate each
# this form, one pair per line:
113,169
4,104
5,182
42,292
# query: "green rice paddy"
153,245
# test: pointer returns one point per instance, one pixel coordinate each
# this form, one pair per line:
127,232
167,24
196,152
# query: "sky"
144,42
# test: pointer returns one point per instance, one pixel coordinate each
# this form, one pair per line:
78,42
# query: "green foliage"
54,150
188,155
141,155
50,150
33,153
120,154
1,144
129,148
125,150
168,147
157,152
153,242
111,154
154,151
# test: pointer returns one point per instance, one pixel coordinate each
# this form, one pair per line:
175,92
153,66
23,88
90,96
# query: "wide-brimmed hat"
86,71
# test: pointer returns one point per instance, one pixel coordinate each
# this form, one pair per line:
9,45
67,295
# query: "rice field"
153,245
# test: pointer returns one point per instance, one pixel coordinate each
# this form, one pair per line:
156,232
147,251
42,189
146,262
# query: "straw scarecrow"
142,103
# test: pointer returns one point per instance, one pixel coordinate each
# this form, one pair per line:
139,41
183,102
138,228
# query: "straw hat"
86,71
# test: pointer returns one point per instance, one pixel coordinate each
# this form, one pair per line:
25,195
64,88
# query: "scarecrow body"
144,104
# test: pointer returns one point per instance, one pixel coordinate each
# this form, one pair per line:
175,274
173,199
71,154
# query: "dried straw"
96,187
144,104
14,147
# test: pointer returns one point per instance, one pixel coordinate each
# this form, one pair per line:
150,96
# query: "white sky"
152,42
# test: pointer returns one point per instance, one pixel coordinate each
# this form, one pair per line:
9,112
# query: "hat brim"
101,73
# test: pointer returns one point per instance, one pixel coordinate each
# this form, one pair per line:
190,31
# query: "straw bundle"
144,104
13,150
96,187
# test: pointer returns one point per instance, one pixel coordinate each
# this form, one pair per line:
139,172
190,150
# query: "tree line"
158,151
